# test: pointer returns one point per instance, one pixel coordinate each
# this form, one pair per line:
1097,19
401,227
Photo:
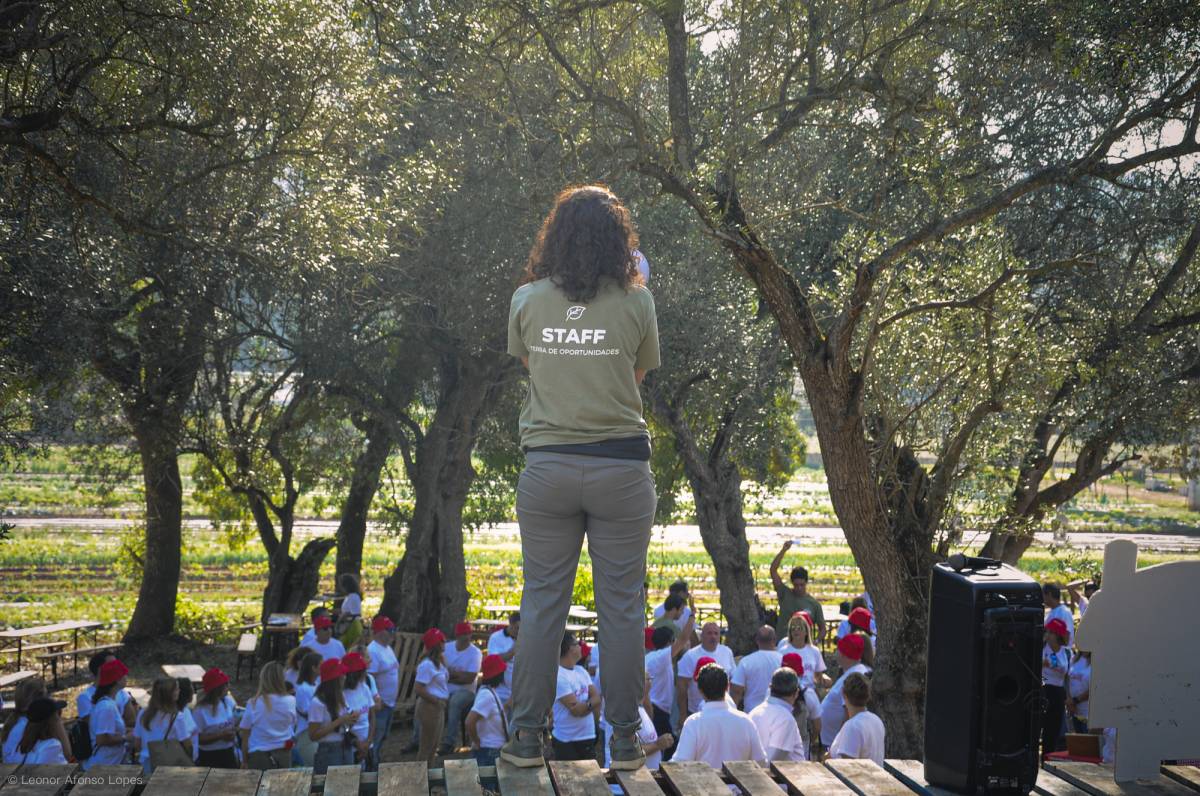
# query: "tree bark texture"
154,615
364,482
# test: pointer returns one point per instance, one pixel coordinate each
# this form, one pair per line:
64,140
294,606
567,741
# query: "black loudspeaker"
983,689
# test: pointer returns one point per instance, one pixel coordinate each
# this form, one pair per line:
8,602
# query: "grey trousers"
560,499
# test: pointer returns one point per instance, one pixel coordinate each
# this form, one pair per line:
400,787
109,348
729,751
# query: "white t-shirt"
304,698
1062,612
13,740
1054,665
83,702
180,730
778,731
434,678
662,678
291,676
489,707
833,707
594,666
270,728
646,734
386,670
687,669
105,720
753,672
861,737
1080,681
361,699
319,714
719,733
681,622
814,661
47,752
500,643
329,650
468,660
567,727
215,718
1083,604
352,605
309,638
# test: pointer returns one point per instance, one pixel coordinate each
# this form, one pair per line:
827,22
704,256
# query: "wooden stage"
461,777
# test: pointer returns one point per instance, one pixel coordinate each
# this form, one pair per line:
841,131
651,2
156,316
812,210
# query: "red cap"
213,679
852,646
805,615
323,621
861,618
1058,627
463,628
432,638
584,649
332,669
353,662
794,662
492,666
381,624
649,638
112,671
700,664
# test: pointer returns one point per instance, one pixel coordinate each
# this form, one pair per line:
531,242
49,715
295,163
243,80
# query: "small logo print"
575,313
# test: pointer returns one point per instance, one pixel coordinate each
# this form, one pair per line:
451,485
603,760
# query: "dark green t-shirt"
790,603
581,362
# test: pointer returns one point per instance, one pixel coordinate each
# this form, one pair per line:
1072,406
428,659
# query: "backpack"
81,739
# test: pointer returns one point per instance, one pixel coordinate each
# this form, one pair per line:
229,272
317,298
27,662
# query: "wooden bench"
9,680
52,658
247,647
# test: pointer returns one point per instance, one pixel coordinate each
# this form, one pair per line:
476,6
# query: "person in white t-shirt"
386,670
291,666
349,620
305,748
360,699
14,726
1056,658
324,644
270,718
187,693
806,710
833,707
83,702
504,643
329,719
800,642
576,706
654,746
310,635
159,721
776,721
660,669
487,721
752,675
1079,686
44,740
718,732
687,694
1052,600
862,734
463,660
106,725
433,693
215,722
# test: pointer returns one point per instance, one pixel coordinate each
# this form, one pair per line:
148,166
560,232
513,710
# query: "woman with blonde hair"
800,641
270,718
14,726
159,721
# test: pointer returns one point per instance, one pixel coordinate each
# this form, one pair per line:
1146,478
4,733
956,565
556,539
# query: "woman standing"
1055,661
799,641
329,719
159,721
349,622
214,717
585,327
270,718
433,692
306,689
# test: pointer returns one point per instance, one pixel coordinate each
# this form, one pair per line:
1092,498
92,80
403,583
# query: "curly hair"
587,237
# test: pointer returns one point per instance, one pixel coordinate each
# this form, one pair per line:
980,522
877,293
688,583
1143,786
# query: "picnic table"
177,671
503,610
19,635
582,614
281,627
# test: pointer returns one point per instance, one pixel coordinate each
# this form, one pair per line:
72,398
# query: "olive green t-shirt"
581,362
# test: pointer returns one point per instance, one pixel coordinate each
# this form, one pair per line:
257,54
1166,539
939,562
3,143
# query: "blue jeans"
332,754
383,726
457,708
487,757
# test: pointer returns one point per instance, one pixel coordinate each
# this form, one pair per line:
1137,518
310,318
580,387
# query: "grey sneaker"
627,754
524,749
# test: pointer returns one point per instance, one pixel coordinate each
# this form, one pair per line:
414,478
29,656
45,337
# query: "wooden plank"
639,782
286,782
1185,775
912,774
403,779
108,781
751,777
1097,780
693,778
232,782
39,780
462,777
578,778
534,781
172,781
866,778
1050,784
810,779
342,781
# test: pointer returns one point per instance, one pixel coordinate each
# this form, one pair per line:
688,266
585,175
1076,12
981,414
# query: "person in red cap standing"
833,707
324,644
487,721
800,642
361,700
433,693
584,325
386,670
106,724
807,711
463,660
330,719
1056,661
214,717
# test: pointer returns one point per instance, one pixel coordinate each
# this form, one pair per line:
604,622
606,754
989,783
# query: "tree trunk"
154,614
1006,547
293,582
429,586
364,481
